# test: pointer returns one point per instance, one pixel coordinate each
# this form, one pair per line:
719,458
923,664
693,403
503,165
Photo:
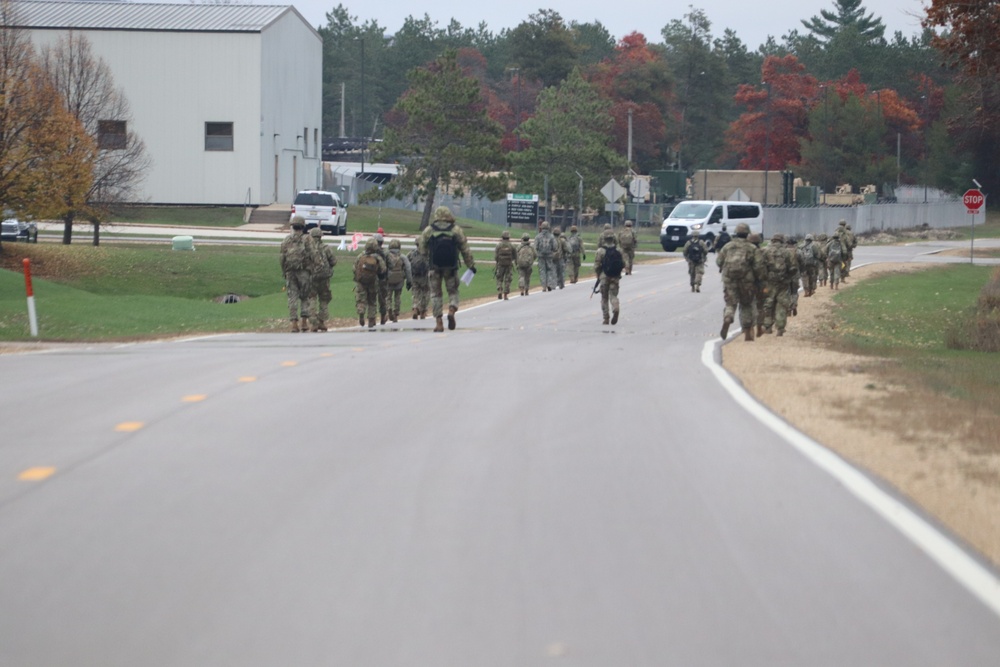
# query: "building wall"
291,105
266,83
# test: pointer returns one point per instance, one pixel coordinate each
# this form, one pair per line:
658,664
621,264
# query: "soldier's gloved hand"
408,285
473,269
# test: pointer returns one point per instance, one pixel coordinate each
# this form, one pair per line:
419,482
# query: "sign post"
974,200
613,191
32,319
522,208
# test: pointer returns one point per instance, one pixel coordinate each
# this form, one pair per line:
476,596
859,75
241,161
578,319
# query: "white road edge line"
976,578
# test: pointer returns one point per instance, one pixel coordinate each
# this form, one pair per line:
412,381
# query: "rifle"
597,285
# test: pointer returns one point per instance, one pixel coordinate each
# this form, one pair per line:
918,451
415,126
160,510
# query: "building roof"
46,14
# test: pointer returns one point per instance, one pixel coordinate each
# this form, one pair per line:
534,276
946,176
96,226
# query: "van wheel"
709,239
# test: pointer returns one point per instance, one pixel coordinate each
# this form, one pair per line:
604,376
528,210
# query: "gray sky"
752,21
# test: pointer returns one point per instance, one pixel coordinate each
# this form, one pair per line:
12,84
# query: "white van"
705,218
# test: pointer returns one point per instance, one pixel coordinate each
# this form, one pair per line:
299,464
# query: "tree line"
836,102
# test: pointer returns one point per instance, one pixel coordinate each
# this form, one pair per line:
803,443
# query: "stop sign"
973,200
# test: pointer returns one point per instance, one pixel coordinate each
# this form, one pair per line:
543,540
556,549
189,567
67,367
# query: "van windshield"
690,211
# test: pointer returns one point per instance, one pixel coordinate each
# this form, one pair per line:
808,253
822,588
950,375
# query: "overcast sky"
752,21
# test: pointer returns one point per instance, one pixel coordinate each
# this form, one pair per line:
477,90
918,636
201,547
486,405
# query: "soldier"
546,247
795,279
821,272
321,275
740,268
367,268
834,252
383,284
525,264
297,257
721,240
628,241
421,287
759,292
695,252
852,243
808,265
577,253
398,274
562,256
778,266
504,256
442,242
608,265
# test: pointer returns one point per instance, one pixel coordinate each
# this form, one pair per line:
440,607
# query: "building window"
218,136
305,142
111,135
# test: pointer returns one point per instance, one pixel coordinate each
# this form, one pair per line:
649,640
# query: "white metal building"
227,98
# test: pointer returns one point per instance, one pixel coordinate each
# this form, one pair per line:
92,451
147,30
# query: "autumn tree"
88,92
568,137
768,134
442,136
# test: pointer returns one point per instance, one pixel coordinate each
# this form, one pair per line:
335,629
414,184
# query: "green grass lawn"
122,291
908,318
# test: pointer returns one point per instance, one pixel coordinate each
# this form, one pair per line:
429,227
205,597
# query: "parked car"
706,219
12,229
321,208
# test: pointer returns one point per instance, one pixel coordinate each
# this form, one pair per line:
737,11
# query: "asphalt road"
531,489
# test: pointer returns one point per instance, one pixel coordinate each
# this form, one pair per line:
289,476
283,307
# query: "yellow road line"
194,398
128,427
36,474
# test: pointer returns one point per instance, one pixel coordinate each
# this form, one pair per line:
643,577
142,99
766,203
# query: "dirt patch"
940,452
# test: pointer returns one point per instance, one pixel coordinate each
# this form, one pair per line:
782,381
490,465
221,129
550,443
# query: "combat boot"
505,296
781,332
295,326
499,295
395,316
760,330
605,320
305,324
438,324
361,320
748,334
314,327
371,322
415,314
726,321
451,317
384,318
697,288
614,317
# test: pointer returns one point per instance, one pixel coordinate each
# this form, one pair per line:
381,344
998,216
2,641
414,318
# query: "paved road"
531,489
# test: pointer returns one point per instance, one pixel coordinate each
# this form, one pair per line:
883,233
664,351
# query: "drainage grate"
231,298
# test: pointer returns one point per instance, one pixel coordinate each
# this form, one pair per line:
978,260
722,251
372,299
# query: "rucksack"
505,255
545,244
612,263
442,248
696,253
808,252
525,256
575,245
418,264
397,272
297,254
833,251
627,239
366,270
324,268
736,263
722,240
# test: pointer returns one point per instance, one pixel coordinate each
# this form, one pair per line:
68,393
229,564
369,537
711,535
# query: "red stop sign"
973,200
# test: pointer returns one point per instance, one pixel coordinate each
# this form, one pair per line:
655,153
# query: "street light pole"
767,140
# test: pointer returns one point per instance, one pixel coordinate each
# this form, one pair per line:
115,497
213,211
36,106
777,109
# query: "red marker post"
32,319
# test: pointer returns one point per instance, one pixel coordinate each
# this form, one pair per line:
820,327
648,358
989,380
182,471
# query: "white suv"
321,208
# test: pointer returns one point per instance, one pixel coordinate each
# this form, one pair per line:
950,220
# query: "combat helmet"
628,223
505,234
842,223
557,231
743,229
298,222
316,233
809,237
525,237
544,225
573,229
778,238
444,214
394,244
608,238
755,238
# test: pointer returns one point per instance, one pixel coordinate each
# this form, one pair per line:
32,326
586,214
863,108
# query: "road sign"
613,190
522,208
973,200
639,188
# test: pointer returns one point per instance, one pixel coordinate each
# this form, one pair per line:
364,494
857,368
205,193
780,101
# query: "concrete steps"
270,215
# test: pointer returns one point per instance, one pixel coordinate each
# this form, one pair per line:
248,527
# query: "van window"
314,199
743,211
716,215
690,211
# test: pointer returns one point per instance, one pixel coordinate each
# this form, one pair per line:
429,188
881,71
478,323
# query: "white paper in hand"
467,277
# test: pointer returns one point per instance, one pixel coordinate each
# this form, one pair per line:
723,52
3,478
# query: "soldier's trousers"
524,277
395,299
504,276
833,267
450,278
809,278
739,294
298,285
628,254
793,295
821,272
776,305
421,296
574,268
560,272
366,299
848,258
609,295
547,272
696,271
383,296
321,291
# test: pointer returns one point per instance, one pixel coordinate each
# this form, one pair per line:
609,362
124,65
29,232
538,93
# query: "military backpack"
505,255
696,252
397,271
545,244
418,264
736,261
612,263
576,245
297,254
366,270
627,239
525,257
442,248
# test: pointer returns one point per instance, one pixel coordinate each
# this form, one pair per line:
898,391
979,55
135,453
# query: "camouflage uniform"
322,273
759,292
562,256
808,264
366,295
297,257
821,271
608,284
795,279
397,275
577,253
627,241
834,252
525,264
421,287
504,258
546,247
383,281
695,261
852,243
740,267
779,262
444,222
